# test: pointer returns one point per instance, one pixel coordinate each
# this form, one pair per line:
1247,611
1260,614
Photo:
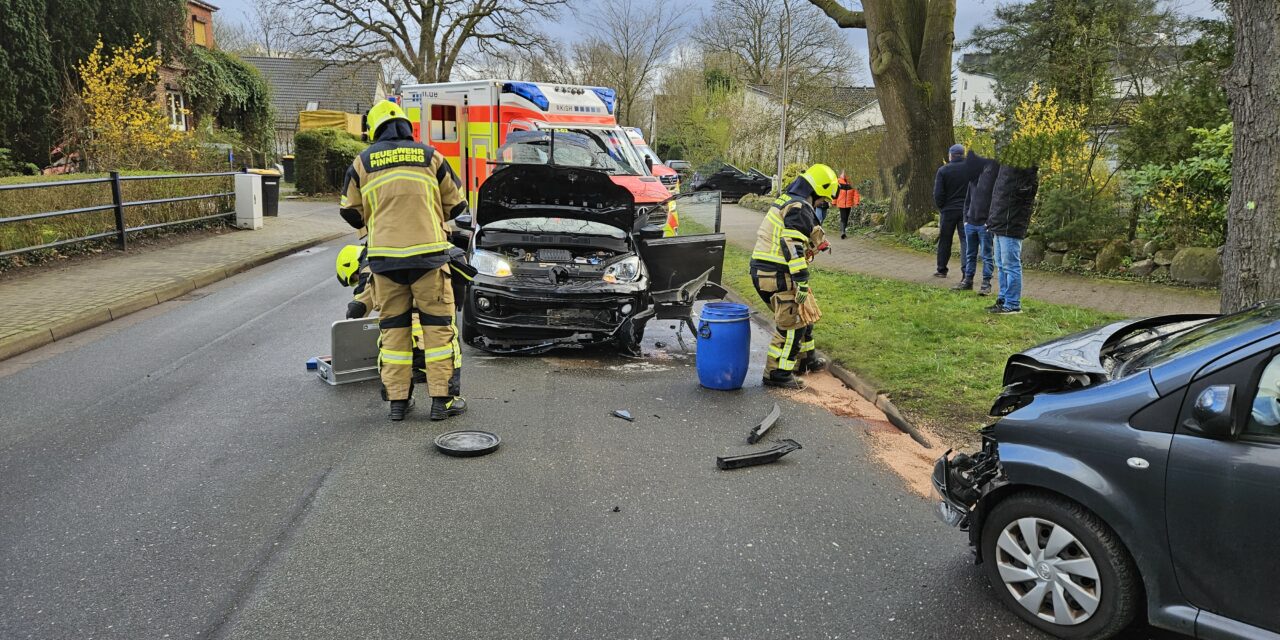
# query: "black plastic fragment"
766,456
624,414
766,424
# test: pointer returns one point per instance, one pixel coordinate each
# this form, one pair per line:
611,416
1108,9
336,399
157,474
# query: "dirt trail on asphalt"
890,447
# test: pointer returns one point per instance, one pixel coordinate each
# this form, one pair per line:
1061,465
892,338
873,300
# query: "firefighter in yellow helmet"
353,271
404,192
787,240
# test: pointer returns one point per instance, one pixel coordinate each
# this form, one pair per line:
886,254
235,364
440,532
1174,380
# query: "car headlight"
490,264
624,270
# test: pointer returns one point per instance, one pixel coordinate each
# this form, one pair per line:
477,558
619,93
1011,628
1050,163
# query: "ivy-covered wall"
233,94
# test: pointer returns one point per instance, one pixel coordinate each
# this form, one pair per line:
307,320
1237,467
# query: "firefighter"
403,192
787,240
353,271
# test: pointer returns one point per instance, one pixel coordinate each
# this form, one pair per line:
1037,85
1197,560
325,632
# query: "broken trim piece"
766,456
755,434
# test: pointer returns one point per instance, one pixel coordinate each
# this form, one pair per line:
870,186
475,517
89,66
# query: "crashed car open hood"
1073,362
549,191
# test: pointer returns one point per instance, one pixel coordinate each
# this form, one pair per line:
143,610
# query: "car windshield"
607,150
571,226
1194,339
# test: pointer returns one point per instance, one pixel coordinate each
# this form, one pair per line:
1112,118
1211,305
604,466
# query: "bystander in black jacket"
1012,199
979,205
950,186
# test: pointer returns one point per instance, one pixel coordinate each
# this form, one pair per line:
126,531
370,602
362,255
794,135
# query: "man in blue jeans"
976,238
1012,199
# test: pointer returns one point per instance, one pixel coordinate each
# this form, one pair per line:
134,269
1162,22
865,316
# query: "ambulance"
470,122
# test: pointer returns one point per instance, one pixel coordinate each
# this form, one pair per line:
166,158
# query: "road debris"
467,444
752,458
766,424
617,509
624,414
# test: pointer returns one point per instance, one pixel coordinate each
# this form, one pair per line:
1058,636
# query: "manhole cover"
465,444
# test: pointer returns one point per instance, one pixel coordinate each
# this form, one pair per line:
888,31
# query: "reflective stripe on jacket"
405,192
784,237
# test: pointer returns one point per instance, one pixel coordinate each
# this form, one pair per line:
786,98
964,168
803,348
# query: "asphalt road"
179,475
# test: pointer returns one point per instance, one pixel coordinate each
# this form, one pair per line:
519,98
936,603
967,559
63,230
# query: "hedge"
321,158
38,200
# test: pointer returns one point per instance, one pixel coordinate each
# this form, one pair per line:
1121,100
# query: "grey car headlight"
624,270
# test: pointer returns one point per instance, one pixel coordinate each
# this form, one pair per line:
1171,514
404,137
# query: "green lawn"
938,354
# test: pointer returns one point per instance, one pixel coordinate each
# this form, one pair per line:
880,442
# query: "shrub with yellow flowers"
1077,197
1185,204
121,125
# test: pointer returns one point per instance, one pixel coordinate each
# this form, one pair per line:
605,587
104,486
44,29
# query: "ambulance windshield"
606,150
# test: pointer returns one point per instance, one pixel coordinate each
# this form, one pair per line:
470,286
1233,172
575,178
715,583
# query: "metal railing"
118,204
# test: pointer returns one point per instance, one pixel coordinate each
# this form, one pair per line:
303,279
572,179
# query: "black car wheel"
1059,567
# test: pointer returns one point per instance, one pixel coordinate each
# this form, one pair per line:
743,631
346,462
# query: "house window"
444,123
177,104
198,34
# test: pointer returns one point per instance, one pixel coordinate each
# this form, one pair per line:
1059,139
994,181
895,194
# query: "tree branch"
845,18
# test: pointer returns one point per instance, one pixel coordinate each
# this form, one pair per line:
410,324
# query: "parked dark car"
566,258
733,183
1133,470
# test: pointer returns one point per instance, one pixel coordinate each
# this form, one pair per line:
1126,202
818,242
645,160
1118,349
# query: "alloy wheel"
1048,571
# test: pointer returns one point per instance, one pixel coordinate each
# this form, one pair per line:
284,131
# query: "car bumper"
950,510
512,319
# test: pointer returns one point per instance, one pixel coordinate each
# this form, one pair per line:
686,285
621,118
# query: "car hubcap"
1048,571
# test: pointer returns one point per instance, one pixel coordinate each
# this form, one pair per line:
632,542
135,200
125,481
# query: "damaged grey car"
1133,472
567,259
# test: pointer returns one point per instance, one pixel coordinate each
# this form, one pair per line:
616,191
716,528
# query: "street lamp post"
786,86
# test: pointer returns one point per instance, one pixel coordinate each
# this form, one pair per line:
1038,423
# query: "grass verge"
938,354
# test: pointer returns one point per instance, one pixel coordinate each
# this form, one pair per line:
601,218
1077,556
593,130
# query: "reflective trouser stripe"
432,296
807,345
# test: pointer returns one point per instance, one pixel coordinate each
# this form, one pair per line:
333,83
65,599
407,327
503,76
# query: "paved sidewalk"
53,304
860,255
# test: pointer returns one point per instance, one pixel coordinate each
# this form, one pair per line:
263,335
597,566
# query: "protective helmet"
382,113
348,264
823,180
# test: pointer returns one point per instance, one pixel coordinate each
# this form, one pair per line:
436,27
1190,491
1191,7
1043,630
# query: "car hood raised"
1082,352
549,191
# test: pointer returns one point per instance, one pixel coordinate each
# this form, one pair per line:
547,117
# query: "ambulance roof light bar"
529,91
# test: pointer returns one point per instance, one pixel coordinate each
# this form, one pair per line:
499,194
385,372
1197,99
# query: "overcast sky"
969,13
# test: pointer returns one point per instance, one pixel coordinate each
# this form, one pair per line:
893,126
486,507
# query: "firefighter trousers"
364,295
792,339
397,295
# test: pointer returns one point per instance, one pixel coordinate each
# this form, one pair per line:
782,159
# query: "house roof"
331,84
840,102
209,7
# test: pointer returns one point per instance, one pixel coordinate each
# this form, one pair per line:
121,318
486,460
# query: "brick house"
199,33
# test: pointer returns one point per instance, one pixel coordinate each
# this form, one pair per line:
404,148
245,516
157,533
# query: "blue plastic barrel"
724,345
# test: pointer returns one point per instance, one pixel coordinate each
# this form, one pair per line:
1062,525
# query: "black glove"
352,217
356,309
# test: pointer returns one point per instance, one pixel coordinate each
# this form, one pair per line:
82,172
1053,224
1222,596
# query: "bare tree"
428,38
233,35
630,41
270,25
756,37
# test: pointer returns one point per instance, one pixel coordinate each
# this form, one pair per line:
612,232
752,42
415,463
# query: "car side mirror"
464,221
1213,414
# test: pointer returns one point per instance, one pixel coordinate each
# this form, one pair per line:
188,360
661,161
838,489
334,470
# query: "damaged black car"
567,259
1133,473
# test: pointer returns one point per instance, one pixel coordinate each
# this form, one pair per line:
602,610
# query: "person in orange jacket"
846,200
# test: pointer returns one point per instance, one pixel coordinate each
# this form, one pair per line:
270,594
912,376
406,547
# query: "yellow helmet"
823,180
382,113
349,264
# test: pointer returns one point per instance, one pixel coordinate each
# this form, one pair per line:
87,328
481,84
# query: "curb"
20,343
852,380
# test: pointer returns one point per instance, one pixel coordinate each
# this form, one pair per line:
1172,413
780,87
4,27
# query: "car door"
696,248
1223,496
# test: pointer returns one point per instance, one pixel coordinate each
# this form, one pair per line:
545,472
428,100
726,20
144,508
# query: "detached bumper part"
766,424
751,459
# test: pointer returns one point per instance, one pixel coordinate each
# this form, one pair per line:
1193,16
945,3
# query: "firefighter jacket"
788,234
403,192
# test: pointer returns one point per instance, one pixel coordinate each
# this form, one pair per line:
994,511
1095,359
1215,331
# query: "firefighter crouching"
404,192
789,237
353,271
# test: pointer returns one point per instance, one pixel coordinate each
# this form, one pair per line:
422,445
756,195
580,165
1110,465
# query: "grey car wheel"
1058,566
1048,571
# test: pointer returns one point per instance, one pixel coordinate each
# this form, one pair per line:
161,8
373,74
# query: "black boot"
782,380
811,364
399,408
985,289
965,284
445,407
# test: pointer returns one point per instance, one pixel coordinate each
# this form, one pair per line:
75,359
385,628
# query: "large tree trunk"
1251,259
910,42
